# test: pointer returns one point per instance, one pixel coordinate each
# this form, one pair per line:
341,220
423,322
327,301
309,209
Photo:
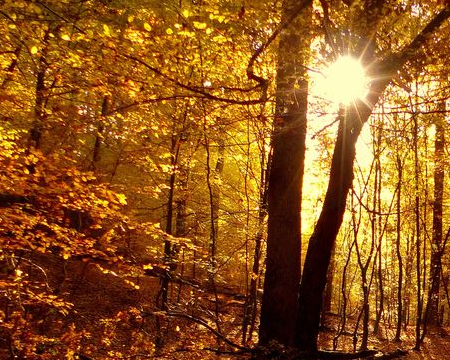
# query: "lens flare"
345,80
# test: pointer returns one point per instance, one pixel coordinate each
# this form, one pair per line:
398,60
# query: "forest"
224,179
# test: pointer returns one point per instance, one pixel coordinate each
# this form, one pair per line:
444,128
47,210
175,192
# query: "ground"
114,319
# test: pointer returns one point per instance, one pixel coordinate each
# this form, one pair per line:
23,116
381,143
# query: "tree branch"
408,53
207,326
264,83
60,16
193,89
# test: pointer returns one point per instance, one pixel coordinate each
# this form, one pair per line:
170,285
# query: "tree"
436,246
341,176
285,181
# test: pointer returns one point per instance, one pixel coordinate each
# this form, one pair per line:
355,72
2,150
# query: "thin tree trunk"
213,179
39,116
214,198
180,225
408,280
439,174
398,251
419,298
106,105
363,266
168,251
379,234
251,306
343,314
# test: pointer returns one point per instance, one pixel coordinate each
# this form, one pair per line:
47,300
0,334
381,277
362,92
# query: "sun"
345,81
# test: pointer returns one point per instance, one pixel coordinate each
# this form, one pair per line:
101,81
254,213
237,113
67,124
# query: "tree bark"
322,240
439,173
398,251
283,260
419,296
106,105
39,116
251,305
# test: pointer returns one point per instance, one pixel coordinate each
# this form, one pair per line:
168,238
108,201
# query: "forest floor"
115,320
436,345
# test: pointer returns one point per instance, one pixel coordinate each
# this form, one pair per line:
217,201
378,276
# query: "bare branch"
194,89
60,16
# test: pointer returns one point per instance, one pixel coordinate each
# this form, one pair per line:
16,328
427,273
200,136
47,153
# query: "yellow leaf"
122,199
169,31
65,37
66,256
219,39
106,30
185,13
199,25
130,18
147,26
34,50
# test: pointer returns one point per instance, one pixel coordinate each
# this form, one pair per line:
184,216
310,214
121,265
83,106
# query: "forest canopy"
202,178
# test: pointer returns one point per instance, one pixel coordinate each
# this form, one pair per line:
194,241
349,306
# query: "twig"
207,326
60,16
194,89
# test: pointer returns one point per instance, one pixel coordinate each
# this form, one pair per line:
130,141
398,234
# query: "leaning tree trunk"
341,176
283,260
322,240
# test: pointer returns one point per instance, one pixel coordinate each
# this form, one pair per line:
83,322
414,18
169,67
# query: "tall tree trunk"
418,234
341,177
35,133
398,251
364,267
283,260
277,310
251,305
408,280
322,240
343,309
213,179
168,247
180,228
379,234
439,173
